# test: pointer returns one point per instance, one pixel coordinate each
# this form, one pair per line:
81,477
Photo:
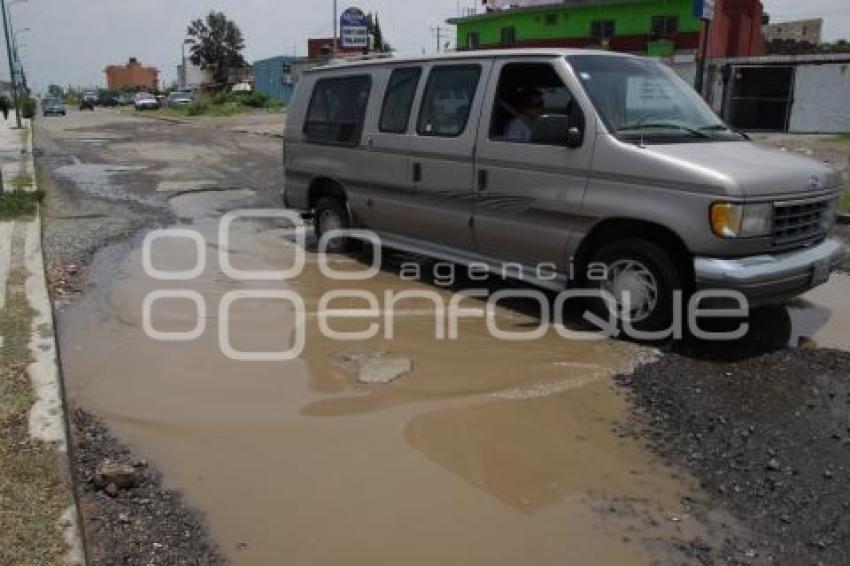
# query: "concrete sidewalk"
28,349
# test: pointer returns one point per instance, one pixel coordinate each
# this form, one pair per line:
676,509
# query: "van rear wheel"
332,214
647,275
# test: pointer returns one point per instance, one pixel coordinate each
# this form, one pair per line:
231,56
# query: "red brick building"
737,29
133,75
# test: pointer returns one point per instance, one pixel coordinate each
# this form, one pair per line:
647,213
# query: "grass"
32,492
220,105
844,138
19,203
845,200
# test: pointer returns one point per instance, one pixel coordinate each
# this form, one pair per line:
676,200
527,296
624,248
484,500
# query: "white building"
193,78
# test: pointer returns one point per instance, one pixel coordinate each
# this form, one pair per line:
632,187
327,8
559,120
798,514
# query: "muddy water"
823,315
484,452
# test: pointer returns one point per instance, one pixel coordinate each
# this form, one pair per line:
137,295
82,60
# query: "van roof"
464,55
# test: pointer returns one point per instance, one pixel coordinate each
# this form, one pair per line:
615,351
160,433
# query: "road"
412,448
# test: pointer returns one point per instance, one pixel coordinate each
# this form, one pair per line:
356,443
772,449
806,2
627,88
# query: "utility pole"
11,64
336,29
438,31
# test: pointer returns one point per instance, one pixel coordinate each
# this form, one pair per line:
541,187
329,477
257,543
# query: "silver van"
556,160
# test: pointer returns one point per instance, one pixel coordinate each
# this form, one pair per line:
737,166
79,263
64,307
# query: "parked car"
53,107
146,101
180,98
562,158
107,101
88,101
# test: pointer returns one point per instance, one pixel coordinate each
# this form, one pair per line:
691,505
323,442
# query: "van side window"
526,92
448,100
398,101
337,110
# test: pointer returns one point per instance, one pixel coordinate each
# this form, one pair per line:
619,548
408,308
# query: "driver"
529,103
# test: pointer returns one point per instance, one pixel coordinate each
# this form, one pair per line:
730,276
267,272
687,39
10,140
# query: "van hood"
751,170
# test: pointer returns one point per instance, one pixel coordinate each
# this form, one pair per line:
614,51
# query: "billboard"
354,29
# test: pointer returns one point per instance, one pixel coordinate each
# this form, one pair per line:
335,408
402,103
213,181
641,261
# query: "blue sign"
704,9
354,28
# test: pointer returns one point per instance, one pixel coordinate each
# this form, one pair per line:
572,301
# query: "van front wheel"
643,279
331,214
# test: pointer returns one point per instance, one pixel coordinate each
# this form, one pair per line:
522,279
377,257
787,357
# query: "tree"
217,45
378,43
56,91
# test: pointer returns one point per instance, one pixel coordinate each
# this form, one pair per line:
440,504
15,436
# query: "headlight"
729,220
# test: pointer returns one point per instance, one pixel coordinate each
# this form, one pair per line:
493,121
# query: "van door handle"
417,172
482,179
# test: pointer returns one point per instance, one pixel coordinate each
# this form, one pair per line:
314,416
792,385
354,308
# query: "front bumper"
770,278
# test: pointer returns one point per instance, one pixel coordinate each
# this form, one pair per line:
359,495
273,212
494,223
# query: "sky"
72,41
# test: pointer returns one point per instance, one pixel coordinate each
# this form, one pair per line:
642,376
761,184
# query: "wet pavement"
412,449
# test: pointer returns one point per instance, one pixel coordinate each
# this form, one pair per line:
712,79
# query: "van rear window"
337,110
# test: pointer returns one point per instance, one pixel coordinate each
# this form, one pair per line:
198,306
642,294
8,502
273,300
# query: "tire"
649,273
332,214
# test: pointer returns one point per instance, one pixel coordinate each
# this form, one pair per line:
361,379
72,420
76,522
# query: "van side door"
529,192
382,203
441,149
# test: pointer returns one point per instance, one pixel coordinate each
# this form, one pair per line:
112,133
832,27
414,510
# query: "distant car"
180,98
107,100
53,107
146,101
88,100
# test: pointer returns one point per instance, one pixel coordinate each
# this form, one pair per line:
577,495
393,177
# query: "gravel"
140,523
767,437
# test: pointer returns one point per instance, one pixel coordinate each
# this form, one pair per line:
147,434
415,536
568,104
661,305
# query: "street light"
185,82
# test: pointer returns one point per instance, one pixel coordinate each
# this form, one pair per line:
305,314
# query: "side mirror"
575,137
556,129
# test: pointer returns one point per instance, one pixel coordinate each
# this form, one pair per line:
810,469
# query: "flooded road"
477,452
413,449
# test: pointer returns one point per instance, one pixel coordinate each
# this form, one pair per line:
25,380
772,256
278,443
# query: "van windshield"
643,100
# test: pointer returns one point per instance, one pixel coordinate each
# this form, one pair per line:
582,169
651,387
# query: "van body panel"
750,171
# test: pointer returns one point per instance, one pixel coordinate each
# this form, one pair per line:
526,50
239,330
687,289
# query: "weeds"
19,202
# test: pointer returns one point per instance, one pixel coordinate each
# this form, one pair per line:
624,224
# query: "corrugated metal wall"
271,78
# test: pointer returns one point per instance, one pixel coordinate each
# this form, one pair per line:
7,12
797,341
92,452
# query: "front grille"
797,224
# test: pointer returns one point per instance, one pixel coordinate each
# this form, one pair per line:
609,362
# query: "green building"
653,27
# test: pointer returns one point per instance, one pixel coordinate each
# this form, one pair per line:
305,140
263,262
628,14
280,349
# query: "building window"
602,29
508,36
665,25
448,100
473,40
398,101
551,19
337,110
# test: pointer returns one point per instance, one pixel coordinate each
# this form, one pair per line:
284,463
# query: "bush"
199,106
19,203
28,107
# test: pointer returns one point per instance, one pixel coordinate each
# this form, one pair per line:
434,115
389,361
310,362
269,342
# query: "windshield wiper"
724,128
662,125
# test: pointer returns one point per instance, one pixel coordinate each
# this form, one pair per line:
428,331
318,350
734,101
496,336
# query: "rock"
111,490
122,476
384,369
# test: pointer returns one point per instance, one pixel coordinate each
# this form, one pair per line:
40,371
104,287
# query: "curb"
48,417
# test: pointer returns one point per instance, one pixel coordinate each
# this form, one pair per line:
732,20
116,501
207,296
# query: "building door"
760,97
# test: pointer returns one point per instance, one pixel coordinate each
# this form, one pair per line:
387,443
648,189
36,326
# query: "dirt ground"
466,452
